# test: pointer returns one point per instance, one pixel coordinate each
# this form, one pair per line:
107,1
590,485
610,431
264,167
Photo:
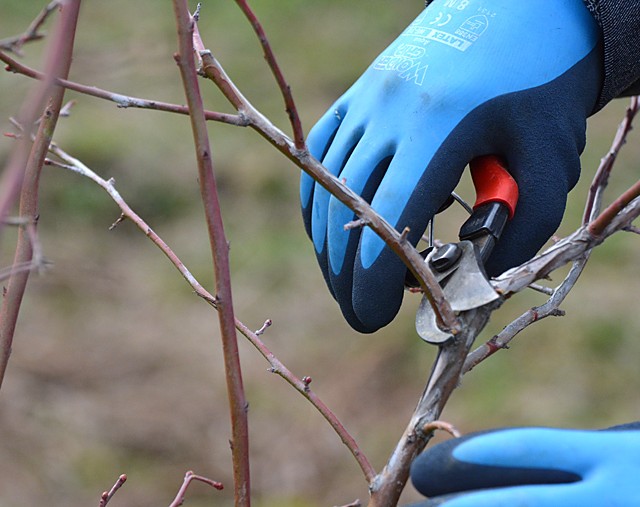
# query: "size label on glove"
451,26
441,28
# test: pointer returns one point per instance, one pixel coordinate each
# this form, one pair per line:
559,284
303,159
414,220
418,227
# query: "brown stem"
285,89
597,227
59,58
220,251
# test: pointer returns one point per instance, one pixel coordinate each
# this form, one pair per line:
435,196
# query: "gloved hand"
466,78
529,467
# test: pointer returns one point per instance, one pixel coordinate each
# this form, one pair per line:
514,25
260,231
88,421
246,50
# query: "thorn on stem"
120,219
405,234
355,224
441,425
65,111
196,13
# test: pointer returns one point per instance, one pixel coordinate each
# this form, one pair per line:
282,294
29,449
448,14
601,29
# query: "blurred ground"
116,365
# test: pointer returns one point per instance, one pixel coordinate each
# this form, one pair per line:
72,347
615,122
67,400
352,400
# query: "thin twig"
285,89
597,226
32,33
121,101
189,477
302,386
601,177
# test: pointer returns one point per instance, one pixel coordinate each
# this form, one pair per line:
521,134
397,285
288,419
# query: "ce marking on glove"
439,19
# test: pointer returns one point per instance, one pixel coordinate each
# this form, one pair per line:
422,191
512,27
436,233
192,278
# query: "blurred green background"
116,365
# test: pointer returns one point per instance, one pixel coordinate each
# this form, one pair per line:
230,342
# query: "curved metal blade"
465,288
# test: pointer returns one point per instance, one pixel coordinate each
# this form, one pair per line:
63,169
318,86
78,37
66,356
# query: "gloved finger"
344,142
362,174
318,142
408,196
495,459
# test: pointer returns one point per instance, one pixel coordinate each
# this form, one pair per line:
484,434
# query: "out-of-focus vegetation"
116,365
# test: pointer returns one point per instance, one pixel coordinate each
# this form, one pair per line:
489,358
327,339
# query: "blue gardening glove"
468,77
530,467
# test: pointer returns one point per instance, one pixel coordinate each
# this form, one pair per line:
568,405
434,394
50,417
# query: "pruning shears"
459,267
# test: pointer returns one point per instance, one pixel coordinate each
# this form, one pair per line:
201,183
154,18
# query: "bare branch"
606,218
276,366
302,386
122,101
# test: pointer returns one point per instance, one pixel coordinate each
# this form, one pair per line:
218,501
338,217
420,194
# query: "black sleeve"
620,24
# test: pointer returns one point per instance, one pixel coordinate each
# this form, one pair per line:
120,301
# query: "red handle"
493,183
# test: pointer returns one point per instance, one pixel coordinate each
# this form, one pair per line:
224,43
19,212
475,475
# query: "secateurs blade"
459,267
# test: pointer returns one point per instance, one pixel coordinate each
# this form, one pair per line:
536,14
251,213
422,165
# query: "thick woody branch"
444,378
